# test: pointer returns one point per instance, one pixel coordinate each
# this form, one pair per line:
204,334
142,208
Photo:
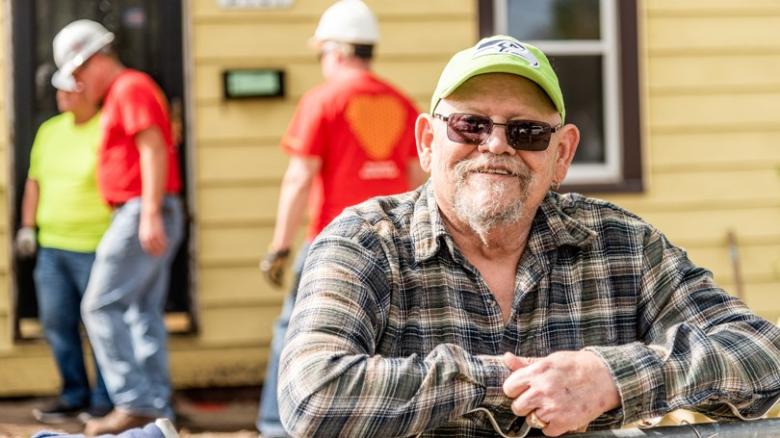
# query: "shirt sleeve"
307,132
699,348
142,106
333,382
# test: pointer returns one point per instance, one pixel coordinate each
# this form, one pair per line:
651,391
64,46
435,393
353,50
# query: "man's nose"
497,142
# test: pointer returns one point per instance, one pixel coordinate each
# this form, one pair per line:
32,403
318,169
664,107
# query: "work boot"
56,412
117,421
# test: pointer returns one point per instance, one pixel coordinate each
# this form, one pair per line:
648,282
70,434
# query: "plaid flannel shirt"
395,333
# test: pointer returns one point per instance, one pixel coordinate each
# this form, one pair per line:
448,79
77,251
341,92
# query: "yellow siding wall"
712,116
238,165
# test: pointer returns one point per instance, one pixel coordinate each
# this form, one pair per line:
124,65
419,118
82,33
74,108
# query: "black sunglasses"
522,135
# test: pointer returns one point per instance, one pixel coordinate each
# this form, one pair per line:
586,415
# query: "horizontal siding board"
414,77
707,7
241,163
238,203
238,324
743,112
240,120
261,42
719,34
712,73
228,244
717,188
238,283
311,9
757,262
707,225
701,149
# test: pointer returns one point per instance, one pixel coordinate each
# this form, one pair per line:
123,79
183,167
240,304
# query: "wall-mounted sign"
254,4
251,83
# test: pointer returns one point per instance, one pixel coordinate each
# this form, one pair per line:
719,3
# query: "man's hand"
567,390
26,242
273,265
151,233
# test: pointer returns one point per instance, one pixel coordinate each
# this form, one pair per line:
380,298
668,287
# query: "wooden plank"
684,74
228,244
412,76
6,338
752,223
29,370
230,40
705,7
757,262
227,284
238,203
748,112
712,149
676,189
239,120
240,163
762,299
714,34
238,324
312,9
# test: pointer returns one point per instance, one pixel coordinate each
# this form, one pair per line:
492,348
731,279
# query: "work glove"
273,266
26,242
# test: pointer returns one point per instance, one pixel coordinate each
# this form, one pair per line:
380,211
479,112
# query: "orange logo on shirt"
378,122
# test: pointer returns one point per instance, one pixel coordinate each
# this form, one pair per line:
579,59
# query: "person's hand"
26,242
151,233
565,390
273,265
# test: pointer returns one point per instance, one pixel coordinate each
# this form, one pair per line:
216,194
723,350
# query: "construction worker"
350,139
138,176
61,200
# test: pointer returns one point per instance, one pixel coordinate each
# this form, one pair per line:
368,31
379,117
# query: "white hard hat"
347,21
76,42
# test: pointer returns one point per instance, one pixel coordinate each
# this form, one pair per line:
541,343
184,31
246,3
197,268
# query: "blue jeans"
123,311
60,280
268,422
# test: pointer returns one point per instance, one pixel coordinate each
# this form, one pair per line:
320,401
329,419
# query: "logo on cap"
508,47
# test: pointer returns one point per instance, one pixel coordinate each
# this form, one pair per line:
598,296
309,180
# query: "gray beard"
479,208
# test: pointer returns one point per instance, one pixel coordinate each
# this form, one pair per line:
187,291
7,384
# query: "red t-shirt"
362,129
132,104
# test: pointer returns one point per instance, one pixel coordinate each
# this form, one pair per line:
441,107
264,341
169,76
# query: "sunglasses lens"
528,136
468,128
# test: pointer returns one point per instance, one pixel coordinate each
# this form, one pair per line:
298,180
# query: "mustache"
495,164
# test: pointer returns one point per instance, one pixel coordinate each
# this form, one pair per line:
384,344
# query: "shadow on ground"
212,412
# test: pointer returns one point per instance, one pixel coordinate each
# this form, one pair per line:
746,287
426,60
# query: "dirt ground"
217,412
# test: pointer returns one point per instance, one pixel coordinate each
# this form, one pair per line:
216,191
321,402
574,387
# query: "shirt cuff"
638,375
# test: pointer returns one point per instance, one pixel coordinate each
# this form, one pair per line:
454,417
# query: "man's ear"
423,133
566,141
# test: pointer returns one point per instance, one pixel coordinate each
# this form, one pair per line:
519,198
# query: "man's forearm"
30,203
154,170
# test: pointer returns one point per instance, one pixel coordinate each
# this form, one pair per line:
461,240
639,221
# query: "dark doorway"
149,38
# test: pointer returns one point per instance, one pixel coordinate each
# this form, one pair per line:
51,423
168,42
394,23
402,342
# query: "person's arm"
30,203
154,170
699,348
26,241
293,197
333,382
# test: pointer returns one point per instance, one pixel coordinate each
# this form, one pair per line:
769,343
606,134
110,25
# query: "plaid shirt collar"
552,228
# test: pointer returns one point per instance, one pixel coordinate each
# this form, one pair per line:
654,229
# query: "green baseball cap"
500,54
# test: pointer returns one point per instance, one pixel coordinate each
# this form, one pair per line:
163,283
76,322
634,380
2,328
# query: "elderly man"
485,295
